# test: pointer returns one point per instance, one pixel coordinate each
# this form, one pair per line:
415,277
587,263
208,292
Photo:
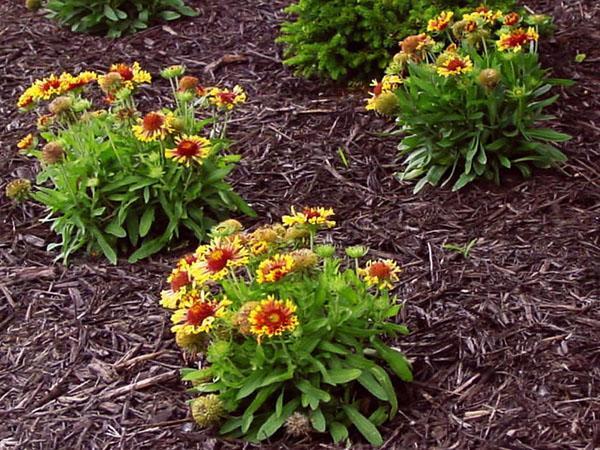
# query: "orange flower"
272,317
274,269
26,143
153,126
189,149
380,273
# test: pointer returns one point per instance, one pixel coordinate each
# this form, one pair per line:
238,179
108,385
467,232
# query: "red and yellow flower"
483,14
227,99
197,315
515,40
441,22
511,19
310,216
451,64
215,261
132,75
154,126
70,82
275,268
382,273
272,317
189,149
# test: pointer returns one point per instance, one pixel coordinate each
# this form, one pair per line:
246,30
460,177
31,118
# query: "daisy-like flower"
441,22
27,98
132,75
511,19
454,64
197,315
515,40
484,14
189,149
380,273
414,44
170,299
26,143
227,99
215,261
48,87
274,269
153,126
272,317
70,82
310,216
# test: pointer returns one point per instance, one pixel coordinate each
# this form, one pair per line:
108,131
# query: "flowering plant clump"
469,95
289,333
115,177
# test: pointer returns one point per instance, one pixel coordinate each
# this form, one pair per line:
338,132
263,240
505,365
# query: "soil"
505,343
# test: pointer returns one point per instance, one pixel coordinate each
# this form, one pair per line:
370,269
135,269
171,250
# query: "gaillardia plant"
116,178
287,334
469,98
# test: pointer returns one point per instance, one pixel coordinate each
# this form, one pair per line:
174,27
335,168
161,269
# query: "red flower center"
179,280
517,39
511,18
188,148
380,270
50,84
275,318
217,259
455,64
471,27
123,70
153,121
227,97
311,213
190,258
199,312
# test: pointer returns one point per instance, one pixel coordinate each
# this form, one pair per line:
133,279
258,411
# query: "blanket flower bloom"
310,216
154,126
272,317
189,149
132,75
382,273
275,268
515,40
453,64
441,22
197,315
227,99
215,261
26,143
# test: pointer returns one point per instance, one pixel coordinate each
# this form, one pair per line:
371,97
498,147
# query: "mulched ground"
505,343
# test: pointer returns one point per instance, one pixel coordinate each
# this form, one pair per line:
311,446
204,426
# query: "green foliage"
115,17
478,120
354,39
320,357
108,190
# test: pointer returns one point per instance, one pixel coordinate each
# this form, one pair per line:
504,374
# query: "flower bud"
190,342
178,124
19,189
33,5
386,103
207,410
325,250
45,121
218,350
110,82
357,251
240,320
60,105
489,78
172,72
227,228
185,96
297,425
52,153
304,259
296,232
188,83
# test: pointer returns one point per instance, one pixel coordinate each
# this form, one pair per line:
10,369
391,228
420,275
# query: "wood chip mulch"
505,343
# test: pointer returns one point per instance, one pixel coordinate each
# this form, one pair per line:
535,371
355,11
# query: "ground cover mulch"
505,343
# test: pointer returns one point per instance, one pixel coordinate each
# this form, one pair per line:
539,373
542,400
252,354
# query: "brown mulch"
505,343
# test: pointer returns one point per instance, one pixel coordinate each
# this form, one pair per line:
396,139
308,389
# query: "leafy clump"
289,333
115,178
469,97
115,17
353,39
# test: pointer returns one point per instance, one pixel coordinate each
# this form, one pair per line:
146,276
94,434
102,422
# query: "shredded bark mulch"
505,342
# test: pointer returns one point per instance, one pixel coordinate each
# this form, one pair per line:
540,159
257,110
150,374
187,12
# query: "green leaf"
169,15
364,425
341,376
258,401
252,383
368,381
547,134
106,248
110,13
148,248
463,180
274,422
115,229
317,419
396,360
146,221
338,432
